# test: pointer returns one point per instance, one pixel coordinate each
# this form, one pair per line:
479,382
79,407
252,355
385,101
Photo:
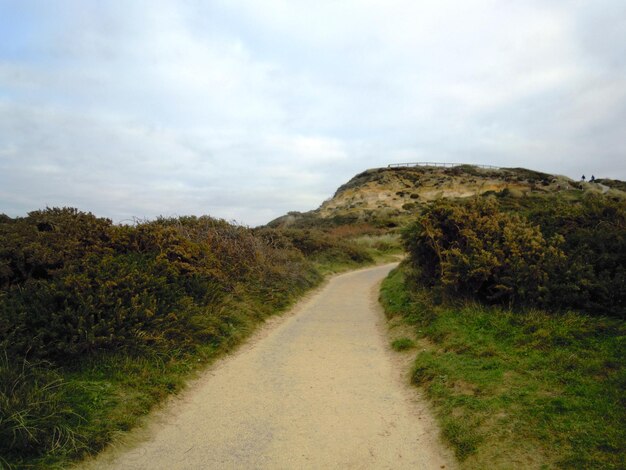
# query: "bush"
561,256
72,284
594,231
476,250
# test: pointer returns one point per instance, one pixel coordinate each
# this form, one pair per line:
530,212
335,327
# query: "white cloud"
245,109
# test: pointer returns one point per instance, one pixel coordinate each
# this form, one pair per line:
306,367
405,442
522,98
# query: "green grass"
519,389
402,344
328,267
35,410
380,244
115,391
375,249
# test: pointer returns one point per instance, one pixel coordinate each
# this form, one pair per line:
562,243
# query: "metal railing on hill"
448,165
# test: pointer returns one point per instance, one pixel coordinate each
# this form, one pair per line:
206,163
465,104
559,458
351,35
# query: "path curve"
320,390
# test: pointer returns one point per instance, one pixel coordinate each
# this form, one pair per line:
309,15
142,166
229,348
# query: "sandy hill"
395,191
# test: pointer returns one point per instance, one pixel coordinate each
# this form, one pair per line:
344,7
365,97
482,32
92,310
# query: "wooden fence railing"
396,165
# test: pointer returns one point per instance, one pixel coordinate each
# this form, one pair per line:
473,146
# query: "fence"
448,165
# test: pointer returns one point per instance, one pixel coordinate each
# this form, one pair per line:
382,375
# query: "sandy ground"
318,388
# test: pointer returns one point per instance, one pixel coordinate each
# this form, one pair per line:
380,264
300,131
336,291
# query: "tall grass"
36,416
381,243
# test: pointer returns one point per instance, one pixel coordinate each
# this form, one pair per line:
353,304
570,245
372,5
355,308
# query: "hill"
387,196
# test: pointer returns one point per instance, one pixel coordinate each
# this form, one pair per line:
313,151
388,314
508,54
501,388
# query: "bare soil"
317,388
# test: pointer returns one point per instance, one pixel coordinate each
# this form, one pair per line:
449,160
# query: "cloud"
246,110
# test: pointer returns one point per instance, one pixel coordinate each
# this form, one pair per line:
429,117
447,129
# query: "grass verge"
518,389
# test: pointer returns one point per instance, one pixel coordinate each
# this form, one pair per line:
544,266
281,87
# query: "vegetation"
518,388
402,344
388,198
515,299
616,184
560,256
34,410
517,308
98,322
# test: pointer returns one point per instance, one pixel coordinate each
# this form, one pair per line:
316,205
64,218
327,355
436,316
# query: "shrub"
594,233
72,284
476,250
562,256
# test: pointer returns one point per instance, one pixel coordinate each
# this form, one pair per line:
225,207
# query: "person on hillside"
583,178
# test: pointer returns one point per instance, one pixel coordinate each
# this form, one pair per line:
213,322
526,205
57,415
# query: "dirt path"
605,189
317,390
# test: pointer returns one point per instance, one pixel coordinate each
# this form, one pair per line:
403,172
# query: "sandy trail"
318,390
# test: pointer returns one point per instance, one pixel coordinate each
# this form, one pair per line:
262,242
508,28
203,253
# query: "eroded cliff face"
404,187
382,194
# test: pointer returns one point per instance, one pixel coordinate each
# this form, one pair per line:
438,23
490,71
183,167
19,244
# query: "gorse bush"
594,241
475,249
558,257
74,284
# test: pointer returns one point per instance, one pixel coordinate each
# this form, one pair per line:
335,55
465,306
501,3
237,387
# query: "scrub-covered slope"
385,195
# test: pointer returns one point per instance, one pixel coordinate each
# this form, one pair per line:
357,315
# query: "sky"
248,109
